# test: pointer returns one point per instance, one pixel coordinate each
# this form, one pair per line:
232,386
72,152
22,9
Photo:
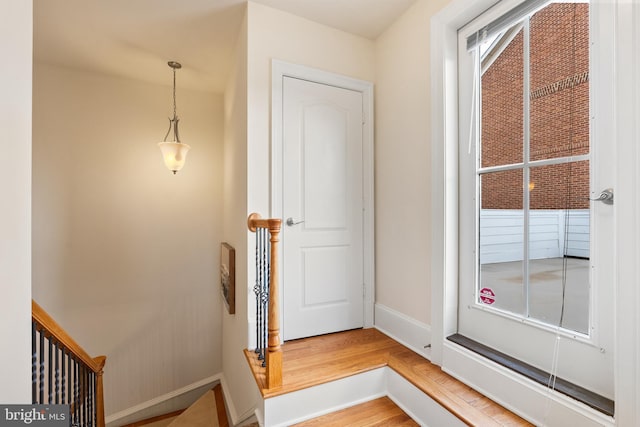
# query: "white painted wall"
239,381
15,216
402,159
125,254
274,34
267,33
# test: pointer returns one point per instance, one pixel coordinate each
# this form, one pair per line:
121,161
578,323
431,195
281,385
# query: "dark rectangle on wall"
228,276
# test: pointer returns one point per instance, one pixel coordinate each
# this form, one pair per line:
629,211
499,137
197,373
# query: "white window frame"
619,50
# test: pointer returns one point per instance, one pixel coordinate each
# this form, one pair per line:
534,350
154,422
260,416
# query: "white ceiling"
136,38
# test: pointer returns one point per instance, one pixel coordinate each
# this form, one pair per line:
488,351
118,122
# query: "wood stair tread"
377,412
210,411
317,360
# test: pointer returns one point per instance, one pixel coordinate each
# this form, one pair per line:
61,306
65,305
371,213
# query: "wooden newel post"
100,421
274,352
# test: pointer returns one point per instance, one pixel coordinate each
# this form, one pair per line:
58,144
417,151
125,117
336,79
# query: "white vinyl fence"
502,234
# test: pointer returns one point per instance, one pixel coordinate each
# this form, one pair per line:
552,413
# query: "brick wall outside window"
559,120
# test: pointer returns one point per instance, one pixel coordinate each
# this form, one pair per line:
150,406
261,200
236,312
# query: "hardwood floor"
221,409
375,413
311,361
200,417
158,421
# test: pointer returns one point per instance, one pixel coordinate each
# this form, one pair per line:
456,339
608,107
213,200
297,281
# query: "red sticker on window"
487,296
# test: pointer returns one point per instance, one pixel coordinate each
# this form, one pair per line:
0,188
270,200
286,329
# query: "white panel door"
322,209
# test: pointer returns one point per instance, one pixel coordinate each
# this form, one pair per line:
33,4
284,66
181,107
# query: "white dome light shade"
174,154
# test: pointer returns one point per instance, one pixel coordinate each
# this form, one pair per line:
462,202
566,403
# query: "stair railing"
63,373
267,297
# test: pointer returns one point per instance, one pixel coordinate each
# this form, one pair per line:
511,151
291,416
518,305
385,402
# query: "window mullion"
526,132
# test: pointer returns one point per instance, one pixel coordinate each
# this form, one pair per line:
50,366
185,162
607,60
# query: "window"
530,241
533,171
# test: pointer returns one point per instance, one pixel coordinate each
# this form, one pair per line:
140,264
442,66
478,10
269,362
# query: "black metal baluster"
34,364
70,381
93,391
83,396
267,279
90,393
256,291
77,395
92,398
259,294
263,295
50,371
261,290
263,278
41,397
57,376
64,378
85,390
76,414
261,266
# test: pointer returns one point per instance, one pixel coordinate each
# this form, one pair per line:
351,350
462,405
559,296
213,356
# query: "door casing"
281,69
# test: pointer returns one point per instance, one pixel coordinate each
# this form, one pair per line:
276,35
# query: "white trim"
163,398
231,407
626,132
330,397
535,403
418,405
308,403
281,69
402,328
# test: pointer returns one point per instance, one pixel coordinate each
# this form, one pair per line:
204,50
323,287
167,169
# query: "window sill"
593,400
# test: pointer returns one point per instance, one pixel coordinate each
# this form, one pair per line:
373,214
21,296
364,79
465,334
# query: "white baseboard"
291,408
402,328
235,418
309,403
532,401
118,416
418,405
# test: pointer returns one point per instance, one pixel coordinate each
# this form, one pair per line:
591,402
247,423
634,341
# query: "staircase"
377,377
358,378
315,381
63,373
208,411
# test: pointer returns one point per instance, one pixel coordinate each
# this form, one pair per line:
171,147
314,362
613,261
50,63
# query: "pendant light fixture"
174,152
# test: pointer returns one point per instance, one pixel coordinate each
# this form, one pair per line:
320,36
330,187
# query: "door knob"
606,197
290,222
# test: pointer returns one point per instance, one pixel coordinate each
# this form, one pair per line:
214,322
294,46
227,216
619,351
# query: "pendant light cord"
173,122
175,117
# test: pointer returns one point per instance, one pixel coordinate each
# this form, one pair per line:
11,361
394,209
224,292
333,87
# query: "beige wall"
15,215
239,380
274,34
137,203
125,254
402,159
267,34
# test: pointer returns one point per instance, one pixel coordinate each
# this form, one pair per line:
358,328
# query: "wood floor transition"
317,360
375,413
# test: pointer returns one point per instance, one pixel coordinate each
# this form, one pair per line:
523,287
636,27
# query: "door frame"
280,70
